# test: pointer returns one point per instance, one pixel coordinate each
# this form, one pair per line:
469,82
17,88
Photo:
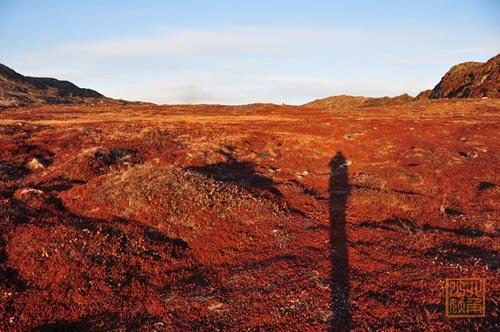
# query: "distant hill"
17,90
470,80
340,101
465,80
345,101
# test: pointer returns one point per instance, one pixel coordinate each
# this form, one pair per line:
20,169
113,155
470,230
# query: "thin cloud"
238,41
251,41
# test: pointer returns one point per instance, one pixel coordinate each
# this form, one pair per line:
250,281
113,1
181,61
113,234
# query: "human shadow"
339,192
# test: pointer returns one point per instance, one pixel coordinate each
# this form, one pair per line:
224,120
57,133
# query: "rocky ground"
153,218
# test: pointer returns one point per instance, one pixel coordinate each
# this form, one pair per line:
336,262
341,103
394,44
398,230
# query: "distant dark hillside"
16,90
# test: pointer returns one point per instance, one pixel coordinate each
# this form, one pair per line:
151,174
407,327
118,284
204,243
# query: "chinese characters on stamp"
465,297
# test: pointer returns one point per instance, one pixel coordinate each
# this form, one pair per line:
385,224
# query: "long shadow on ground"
339,276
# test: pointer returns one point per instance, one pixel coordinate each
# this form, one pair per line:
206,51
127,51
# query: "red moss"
217,217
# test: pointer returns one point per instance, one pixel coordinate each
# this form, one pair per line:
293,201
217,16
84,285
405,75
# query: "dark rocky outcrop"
18,90
470,80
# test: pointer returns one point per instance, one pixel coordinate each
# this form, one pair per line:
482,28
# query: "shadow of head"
338,161
339,174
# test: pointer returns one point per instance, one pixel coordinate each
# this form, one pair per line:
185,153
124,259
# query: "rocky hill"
465,80
18,90
470,80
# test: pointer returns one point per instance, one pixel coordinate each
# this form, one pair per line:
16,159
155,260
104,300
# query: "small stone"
26,191
159,325
35,164
215,306
33,198
305,173
472,154
469,154
347,163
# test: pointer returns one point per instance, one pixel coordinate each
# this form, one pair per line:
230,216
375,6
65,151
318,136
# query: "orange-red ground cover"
215,217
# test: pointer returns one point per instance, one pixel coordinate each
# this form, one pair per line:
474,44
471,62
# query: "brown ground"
211,217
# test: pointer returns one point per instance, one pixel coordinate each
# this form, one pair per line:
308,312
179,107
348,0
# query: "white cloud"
192,42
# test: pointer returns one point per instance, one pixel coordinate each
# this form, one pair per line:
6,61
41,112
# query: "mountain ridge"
19,90
470,80
465,80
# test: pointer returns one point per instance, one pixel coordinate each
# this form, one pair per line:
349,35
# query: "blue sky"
235,52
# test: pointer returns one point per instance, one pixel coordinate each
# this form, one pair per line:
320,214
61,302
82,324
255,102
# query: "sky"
237,52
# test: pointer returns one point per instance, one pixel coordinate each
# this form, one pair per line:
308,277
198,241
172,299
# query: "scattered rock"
303,173
469,154
216,306
33,198
35,164
159,326
28,191
347,163
272,169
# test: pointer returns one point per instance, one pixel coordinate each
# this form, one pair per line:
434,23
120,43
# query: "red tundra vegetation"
346,214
